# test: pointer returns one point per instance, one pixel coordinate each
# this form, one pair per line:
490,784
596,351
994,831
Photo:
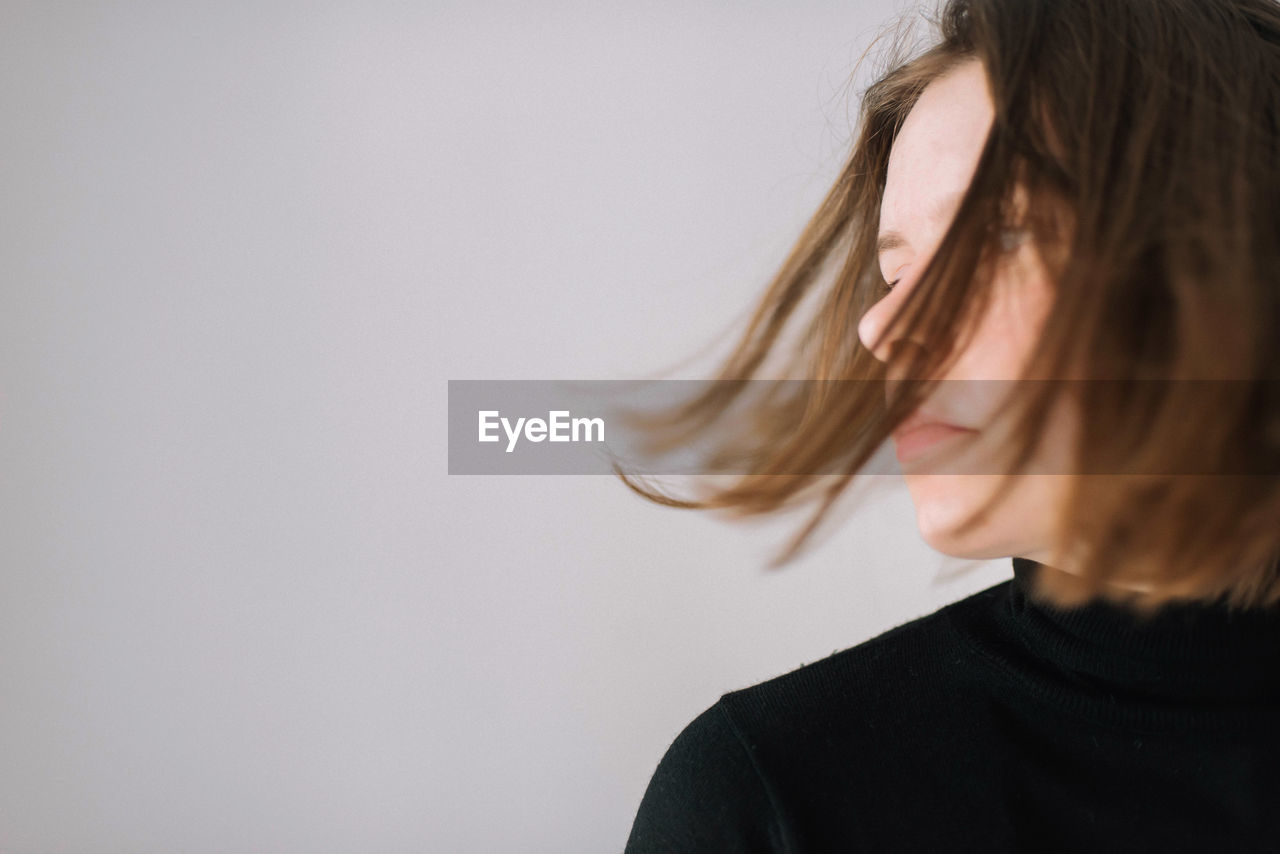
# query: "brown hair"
1146,136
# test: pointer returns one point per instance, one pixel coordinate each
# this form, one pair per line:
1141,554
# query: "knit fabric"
997,723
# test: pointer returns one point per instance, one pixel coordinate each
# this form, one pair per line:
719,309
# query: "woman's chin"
943,502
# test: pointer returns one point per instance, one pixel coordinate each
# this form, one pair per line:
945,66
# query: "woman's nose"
872,326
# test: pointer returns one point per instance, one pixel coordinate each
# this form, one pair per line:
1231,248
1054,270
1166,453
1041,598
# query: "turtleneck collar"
1191,664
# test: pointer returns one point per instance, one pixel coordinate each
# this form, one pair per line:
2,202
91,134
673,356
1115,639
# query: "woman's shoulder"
904,663
707,795
824,730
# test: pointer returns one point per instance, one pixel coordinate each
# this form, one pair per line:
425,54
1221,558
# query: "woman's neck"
1062,564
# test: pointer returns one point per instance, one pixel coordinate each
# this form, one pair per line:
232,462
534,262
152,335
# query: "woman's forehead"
936,151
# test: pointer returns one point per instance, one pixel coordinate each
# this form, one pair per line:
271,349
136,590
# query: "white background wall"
244,245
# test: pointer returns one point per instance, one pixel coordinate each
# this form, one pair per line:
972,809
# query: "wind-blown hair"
1145,135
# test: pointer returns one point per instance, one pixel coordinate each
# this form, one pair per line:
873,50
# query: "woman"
1077,201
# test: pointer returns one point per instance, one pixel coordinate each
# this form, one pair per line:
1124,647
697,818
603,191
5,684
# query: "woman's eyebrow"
890,240
945,206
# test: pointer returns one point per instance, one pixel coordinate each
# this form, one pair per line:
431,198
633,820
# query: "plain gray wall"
244,246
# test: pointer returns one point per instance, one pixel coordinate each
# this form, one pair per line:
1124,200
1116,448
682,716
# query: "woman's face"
932,161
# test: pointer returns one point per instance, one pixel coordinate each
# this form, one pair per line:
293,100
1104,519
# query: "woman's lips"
914,441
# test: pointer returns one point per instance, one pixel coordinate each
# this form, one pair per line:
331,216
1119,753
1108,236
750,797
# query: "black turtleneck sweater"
998,723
